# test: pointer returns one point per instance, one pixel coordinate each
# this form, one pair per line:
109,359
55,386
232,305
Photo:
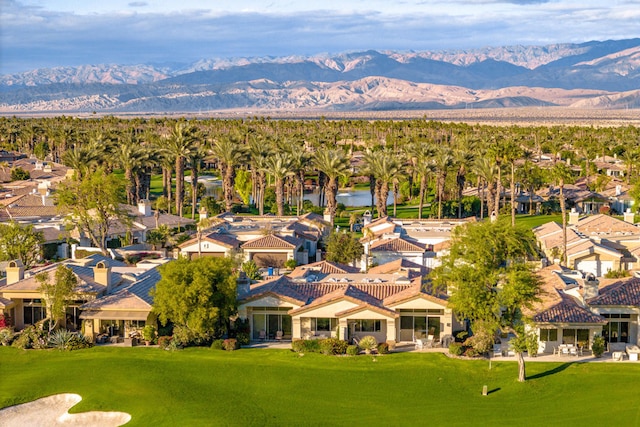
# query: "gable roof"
605,224
625,293
273,242
397,244
323,267
222,239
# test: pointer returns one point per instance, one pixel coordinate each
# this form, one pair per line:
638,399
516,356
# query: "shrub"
67,340
456,348
185,337
6,336
598,346
461,336
306,346
19,174
331,346
290,264
164,341
61,339
149,333
617,274
217,345
470,351
532,344
353,350
31,337
383,348
230,344
368,343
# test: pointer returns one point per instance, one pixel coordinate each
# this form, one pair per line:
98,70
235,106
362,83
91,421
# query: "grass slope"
277,387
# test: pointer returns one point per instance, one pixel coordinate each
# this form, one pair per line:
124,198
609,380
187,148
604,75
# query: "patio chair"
279,335
497,350
262,335
564,351
430,342
420,344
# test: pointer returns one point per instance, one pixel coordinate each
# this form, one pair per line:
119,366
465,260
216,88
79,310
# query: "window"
33,311
368,325
323,324
548,335
617,330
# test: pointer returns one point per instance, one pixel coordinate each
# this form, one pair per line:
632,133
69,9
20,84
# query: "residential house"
574,310
112,298
311,304
215,244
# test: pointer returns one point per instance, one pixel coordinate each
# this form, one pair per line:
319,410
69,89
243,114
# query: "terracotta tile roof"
323,267
273,242
625,292
588,246
223,239
397,245
414,291
567,311
555,306
605,224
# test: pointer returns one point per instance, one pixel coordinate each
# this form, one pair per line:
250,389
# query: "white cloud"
43,33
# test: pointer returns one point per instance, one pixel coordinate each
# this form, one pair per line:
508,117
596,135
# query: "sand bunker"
52,411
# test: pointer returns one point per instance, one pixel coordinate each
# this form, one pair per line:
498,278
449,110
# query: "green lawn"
277,387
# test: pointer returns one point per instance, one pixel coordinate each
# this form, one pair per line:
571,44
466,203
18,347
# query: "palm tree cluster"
418,160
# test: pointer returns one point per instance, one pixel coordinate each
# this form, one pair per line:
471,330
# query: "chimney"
629,216
243,285
102,274
366,218
590,287
574,217
15,271
203,212
144,207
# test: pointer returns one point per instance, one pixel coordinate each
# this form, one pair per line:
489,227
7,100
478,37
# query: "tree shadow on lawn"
555,370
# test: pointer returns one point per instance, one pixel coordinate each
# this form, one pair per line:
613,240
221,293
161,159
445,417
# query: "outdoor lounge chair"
262,335
279,335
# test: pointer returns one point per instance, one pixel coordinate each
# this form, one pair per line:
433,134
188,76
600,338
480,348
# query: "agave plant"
62,339
368,343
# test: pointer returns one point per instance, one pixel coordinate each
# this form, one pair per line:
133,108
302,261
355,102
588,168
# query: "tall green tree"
57,294
229,154
489,279
93,204
199,294
21,242
343,248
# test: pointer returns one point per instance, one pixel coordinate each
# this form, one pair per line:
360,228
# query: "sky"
49,33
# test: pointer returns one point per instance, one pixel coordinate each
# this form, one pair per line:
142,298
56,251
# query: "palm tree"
487,171
195,157
279,167
181,141
300,162
462,158
128,155
561,173
385,166
420,158
334,164
442,160
259,152
229,154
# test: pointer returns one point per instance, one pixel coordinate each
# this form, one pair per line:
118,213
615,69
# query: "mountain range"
597,75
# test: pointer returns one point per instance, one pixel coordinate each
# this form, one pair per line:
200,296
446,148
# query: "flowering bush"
331,346
383,348
163,342
231,344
